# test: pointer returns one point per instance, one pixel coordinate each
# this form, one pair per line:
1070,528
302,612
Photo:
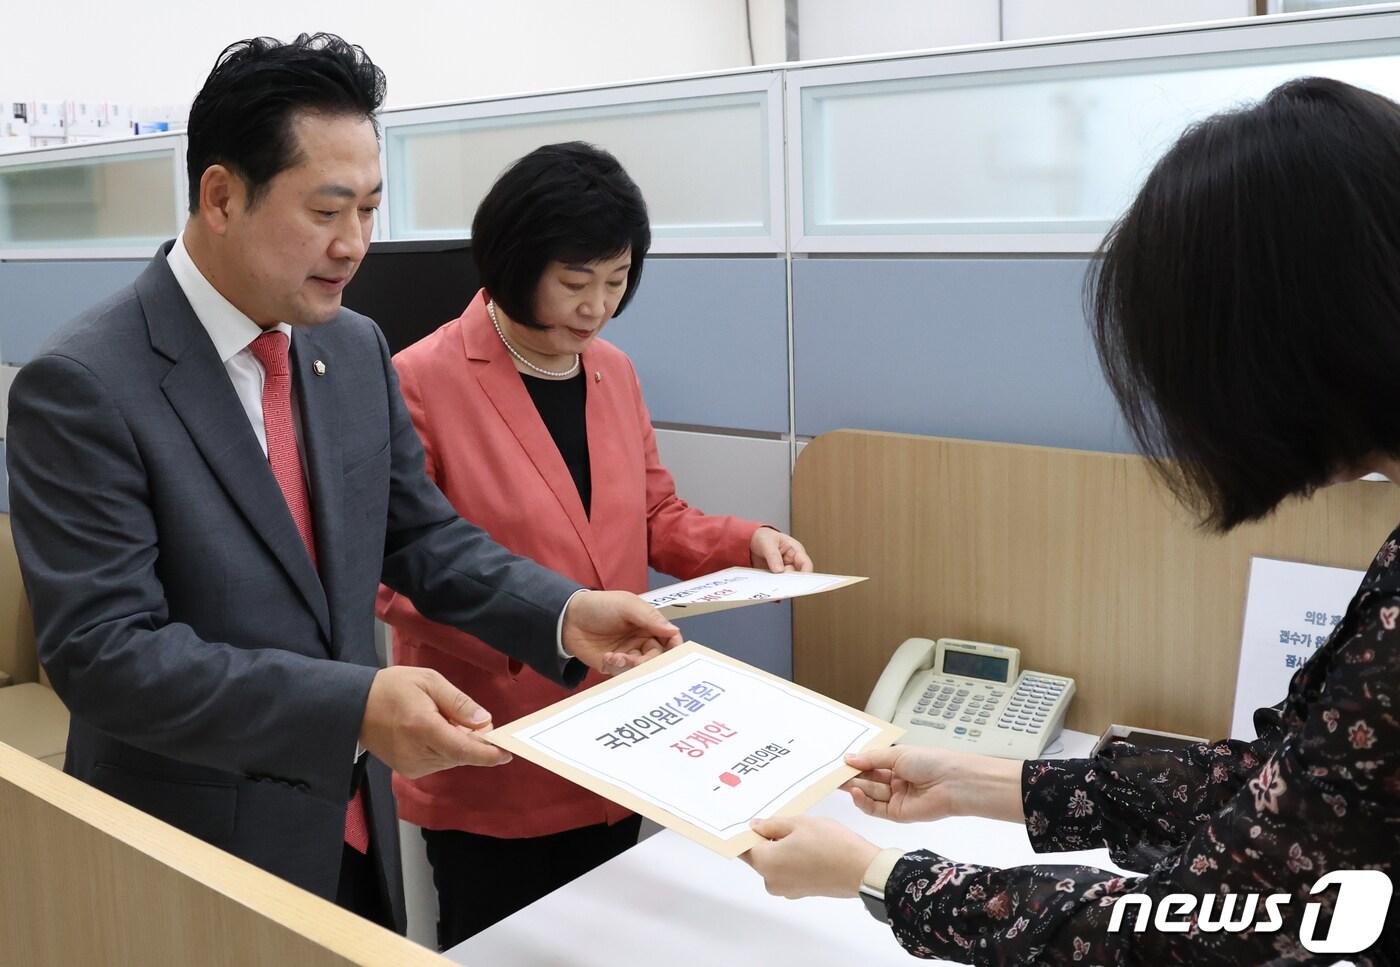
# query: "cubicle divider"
979,349
1035,147
1079,559
91,880
104,200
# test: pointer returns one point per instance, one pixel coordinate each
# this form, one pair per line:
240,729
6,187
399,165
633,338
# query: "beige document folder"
701,743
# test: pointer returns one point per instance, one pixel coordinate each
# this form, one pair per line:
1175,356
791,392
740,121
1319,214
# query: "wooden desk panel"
88,880
1081,560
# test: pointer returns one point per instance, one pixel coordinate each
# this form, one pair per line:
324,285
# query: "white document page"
1289,614
705,740
737,584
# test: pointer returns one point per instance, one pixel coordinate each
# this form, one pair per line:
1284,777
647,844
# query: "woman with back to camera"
1246,311
536,430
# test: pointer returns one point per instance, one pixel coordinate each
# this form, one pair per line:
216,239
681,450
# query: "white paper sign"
1289,613
706,740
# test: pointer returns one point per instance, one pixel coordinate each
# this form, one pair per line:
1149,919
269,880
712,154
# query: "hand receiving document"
700,743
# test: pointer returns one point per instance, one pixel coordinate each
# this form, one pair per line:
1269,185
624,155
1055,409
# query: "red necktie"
282,453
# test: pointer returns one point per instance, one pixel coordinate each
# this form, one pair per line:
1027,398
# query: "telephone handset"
970,695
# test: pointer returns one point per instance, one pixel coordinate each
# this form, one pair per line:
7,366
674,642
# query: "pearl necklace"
491,311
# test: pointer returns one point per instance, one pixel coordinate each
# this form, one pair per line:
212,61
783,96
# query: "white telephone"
970,695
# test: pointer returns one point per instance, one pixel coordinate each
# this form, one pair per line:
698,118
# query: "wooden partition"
1079,559
86,880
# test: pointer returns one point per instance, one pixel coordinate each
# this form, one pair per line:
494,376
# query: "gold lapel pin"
597,376
318,367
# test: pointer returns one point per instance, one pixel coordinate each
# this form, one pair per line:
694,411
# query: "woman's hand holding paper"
908,783
809,856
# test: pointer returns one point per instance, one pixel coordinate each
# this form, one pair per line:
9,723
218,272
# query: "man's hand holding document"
700,743
738,586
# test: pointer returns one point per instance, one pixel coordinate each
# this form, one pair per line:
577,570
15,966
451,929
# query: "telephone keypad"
963,709
1031,703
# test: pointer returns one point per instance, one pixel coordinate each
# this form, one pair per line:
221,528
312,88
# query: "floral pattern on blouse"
1319,790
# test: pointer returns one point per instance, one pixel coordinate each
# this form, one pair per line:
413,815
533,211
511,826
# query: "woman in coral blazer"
536,430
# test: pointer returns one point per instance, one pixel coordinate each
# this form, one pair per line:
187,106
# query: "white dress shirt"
232,334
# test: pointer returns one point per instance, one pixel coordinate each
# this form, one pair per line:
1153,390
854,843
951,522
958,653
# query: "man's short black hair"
570,202
1246,308
242,116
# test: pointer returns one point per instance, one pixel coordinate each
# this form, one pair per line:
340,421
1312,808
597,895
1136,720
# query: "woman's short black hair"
242,116
570,202
1246,308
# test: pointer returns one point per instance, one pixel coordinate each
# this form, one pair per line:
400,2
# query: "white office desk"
669,897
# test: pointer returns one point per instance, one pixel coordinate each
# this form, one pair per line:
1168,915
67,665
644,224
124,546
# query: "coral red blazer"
493,457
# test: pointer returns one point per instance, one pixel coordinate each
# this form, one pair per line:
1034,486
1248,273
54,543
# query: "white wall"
1024,19
842,28
768,22
136,51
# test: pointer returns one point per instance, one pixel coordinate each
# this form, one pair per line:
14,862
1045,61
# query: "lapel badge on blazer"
318,367
597,376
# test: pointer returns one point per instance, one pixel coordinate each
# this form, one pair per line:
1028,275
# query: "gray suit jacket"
215,678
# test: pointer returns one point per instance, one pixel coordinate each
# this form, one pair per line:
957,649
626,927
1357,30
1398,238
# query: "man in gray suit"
210,474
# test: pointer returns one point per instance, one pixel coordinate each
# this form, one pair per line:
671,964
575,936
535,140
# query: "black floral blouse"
1318,791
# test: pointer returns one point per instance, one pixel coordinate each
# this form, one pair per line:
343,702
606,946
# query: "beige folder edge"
814,792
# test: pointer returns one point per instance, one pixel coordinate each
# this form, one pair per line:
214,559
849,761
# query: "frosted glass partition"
1037,158
709,166
85,202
